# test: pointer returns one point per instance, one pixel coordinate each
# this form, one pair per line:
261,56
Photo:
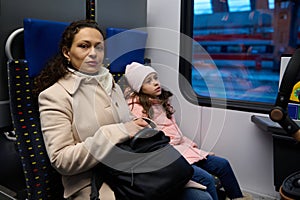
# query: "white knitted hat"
136,73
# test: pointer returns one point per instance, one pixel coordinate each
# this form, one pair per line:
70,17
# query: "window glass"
241,46
238,5
271,4
202,7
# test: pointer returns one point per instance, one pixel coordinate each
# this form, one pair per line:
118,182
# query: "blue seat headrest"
41,41
124,46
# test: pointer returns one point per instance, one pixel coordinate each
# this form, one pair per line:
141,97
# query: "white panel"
249,149
164,15
163,21
228,133
283,64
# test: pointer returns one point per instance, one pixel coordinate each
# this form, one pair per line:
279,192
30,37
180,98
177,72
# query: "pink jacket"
184,145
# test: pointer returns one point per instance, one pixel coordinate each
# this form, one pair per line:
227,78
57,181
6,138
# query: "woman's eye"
84,46
99,47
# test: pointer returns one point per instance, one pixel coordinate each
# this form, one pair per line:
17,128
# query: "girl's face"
87,51
151,85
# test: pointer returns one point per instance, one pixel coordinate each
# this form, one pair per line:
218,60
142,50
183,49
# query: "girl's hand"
211,153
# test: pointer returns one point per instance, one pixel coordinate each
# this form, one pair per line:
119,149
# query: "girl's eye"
147,81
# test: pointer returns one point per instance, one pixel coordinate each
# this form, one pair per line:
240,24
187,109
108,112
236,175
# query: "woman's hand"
193,184
140,122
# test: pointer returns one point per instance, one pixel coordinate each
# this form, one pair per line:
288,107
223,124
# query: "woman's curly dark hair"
57,67
145,101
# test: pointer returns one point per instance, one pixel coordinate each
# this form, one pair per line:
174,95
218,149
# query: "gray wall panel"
12,13
121,13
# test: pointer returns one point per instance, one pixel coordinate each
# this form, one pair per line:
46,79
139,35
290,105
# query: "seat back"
123,47
41,39
42,180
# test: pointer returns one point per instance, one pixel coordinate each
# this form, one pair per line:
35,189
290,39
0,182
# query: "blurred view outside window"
241,43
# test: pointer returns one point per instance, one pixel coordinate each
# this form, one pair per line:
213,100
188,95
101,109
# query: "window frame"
185,70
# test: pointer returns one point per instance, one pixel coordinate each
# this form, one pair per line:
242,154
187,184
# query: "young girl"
148,99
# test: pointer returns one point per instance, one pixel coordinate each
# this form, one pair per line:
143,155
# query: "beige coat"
81,123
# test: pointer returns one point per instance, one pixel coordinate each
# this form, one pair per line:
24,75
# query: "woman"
82,110
148,99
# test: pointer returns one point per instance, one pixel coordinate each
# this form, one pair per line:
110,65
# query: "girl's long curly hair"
57,67
147,101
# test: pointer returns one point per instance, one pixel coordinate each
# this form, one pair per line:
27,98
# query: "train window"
238,5
271,4
202,7
213,48
236,49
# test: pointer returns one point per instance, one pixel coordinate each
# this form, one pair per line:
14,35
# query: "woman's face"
87,51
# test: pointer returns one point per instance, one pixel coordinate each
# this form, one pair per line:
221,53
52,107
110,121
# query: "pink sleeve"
190,142
173,131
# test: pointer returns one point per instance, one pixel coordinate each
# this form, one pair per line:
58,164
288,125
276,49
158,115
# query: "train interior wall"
228,133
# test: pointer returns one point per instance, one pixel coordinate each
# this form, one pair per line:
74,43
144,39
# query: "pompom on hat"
136,73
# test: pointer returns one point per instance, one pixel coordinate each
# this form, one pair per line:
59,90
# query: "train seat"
124,47
41,39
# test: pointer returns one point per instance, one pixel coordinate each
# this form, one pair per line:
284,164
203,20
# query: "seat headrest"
41,41
124,46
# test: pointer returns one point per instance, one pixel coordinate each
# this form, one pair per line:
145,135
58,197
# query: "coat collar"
71,82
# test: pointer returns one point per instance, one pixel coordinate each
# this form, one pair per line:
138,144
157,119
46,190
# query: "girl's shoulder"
133,99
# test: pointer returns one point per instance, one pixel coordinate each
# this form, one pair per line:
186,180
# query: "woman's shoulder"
53,92
58,88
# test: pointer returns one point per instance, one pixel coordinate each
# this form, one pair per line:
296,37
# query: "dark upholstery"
42,181
41,39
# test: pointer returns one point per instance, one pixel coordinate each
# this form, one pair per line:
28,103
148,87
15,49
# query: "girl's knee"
209,179
224,162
